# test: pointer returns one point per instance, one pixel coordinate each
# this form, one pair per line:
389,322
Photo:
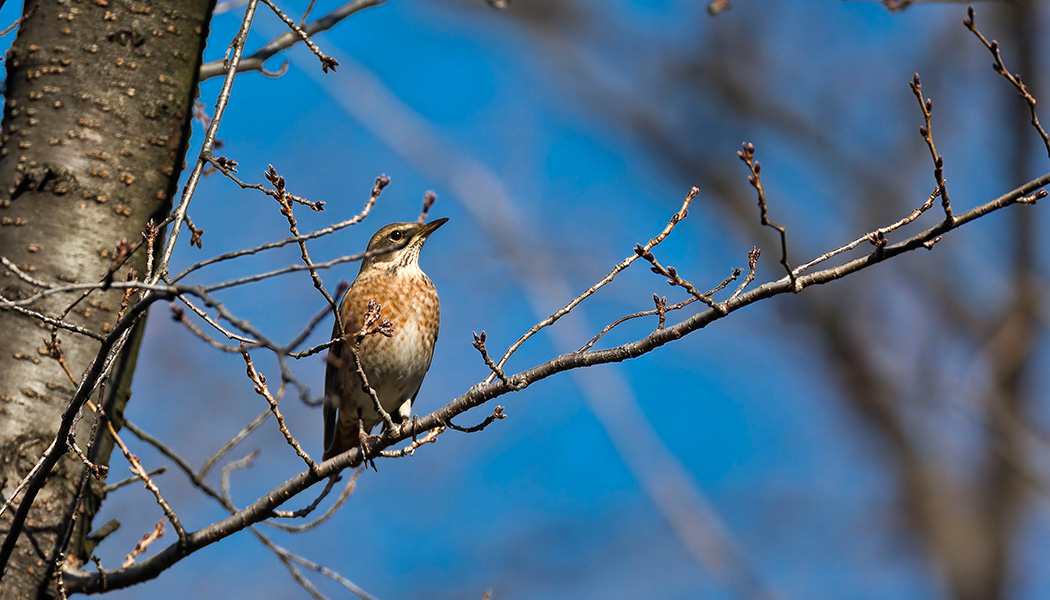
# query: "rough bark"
95,126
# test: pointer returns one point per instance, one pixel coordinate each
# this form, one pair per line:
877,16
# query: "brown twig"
257,60
660,311
683,211
136,468
752,264
874,236
381,182
178,215
260,388
143,544
479,344
926,131
230,467
314,322
410,450
286,209
231,443
27,14
112,487
262,508
179,315
327,62
351,485
497,415
428,201
674,279
372,325
1014,78
197,234
747,154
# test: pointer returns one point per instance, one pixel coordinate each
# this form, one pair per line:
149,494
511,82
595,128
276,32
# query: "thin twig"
926,131
874,236
148,538
261,509
752,264
747,154
351,485
497,415
675,219
222,101
327,62
660,311
1014,78
410,450
130,480
286,209
20,20
136,468
257,60
229,445
9,305
674,279
381,182
479,344
260,388
179,316
230,467
428,200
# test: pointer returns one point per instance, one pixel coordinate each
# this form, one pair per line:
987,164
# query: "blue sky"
541,505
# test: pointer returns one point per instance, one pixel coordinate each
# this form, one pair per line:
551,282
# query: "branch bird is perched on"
393,365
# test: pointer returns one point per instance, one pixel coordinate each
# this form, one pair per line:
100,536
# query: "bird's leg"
364,438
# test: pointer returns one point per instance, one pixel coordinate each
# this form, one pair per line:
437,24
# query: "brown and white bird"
394,365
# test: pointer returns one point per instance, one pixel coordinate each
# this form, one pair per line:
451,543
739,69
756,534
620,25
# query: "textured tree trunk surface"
97,109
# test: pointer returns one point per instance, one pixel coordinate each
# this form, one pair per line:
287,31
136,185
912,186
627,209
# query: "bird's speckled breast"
394,366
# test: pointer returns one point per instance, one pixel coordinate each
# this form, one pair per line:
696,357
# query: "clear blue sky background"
540,505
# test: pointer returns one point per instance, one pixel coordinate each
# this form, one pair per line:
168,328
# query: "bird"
394,359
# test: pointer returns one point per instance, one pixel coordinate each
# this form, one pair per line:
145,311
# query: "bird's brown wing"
333,441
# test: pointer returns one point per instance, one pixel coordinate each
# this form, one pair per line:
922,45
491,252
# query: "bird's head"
398,244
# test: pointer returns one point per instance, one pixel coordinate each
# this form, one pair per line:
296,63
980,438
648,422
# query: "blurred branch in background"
965,510
609,395
965,503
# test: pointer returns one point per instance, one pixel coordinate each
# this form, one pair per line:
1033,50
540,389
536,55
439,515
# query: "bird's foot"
365,445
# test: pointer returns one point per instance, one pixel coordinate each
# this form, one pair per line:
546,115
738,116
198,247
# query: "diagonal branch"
261,509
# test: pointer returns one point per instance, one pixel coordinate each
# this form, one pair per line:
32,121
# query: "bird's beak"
430,228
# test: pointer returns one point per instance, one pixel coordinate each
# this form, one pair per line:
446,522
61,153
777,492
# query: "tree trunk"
95,127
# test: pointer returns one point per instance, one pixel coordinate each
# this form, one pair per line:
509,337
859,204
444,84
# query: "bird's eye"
396,235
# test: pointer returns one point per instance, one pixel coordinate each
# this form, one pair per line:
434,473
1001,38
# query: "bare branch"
752,264
327,62
661,311
410,450
261,509
674,279
926,131
497,415
1014,78
179,214
371,325
236,439
747,154
257,60
681,214
143,545
130,480
479,344
877,237
260,388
